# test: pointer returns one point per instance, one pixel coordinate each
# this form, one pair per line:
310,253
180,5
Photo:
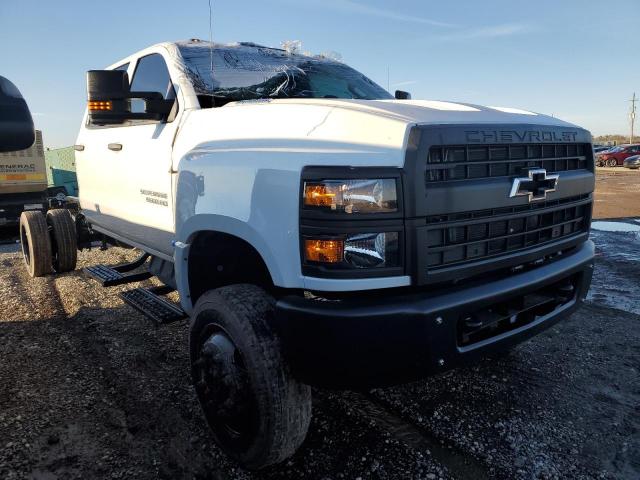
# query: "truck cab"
320,231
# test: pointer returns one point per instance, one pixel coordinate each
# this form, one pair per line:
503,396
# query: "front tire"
258,413
612,162
35,243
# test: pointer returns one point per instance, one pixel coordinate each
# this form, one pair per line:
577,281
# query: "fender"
216,223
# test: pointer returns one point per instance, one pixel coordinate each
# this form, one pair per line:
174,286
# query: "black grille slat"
470,236
449,163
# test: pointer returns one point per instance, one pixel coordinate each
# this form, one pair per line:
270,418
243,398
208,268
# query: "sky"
574,59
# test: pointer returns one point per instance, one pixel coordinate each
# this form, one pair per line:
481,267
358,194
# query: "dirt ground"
89,388
617,193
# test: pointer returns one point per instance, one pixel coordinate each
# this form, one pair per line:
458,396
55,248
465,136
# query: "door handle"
116,147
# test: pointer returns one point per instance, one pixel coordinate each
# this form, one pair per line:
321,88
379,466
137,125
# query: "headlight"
361,250
352,196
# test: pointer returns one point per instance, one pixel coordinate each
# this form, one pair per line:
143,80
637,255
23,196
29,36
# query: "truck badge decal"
514,136
157,198
536,185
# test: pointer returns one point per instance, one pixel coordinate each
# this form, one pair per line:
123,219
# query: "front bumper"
384,340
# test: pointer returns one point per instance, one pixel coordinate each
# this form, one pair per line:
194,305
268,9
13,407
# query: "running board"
149,302
118,274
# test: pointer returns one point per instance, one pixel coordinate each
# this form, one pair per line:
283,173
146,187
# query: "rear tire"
64,243
258,413
35,242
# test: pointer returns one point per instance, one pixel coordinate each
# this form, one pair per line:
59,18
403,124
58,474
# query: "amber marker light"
319,195
325,251
97,106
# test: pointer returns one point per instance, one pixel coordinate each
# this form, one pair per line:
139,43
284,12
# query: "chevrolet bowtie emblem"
535,186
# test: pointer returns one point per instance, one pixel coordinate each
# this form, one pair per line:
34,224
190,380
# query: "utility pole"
632,115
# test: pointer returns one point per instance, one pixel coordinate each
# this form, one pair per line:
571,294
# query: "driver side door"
140,152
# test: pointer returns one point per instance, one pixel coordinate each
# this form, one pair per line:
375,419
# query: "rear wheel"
258,412
35,242
64,243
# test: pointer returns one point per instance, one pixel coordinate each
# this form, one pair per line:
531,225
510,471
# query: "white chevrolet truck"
318,230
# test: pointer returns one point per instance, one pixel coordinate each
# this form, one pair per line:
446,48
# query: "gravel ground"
90,389
617,193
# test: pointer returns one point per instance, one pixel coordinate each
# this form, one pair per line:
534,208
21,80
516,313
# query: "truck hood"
334,131
429,111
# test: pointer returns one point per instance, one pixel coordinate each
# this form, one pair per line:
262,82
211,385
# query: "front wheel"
612,162
258,412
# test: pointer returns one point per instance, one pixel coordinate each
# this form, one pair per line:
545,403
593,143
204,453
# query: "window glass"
124,67
151,75
249,72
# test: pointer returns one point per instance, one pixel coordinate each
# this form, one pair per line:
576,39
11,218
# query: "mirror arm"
160,106
155,103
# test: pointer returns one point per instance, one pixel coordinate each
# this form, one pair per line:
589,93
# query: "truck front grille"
462,222
459,238
465,162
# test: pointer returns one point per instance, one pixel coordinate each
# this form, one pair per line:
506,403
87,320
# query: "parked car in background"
632,162
602,148
616,157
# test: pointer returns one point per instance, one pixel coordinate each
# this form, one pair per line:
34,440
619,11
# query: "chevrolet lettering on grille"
536,185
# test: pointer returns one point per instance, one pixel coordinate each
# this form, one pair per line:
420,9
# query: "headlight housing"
355,251
352,196
351,222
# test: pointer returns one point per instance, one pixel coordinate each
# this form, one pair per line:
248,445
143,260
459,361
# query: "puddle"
615,227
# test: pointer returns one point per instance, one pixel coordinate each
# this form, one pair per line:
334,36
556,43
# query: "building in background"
23,182
61,171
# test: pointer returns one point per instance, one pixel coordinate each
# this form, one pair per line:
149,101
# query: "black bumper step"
118,274
110,277
148,302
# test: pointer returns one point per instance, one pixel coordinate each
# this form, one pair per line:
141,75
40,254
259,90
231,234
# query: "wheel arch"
207,244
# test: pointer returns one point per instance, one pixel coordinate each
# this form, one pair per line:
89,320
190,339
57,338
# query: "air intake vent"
471,236
449,163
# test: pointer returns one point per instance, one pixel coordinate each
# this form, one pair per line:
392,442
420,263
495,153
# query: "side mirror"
402,95
16,124
109,99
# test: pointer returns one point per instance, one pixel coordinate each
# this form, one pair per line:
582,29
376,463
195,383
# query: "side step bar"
117,275
149,302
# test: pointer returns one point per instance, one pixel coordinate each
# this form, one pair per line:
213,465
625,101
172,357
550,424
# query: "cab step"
118,274
150,303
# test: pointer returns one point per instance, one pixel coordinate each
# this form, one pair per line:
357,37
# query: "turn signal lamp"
319,195
96,106
359,196
325,251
